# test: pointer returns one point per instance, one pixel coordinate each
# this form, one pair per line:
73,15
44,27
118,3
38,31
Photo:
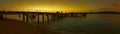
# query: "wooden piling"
23,17
27,18
43,18
38,20
47,17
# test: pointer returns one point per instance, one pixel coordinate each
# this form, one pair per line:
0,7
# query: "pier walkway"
32,15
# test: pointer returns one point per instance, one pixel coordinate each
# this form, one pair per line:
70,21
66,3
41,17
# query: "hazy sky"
54,5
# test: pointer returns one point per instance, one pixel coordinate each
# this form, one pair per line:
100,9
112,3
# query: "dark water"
92,24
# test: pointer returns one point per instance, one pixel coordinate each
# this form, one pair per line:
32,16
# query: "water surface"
92,24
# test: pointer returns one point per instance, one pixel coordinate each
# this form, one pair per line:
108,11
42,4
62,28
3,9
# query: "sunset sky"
54,5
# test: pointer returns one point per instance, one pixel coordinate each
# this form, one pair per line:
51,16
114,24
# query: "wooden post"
38,20
43,18
47,17
27,18
53,16
23,17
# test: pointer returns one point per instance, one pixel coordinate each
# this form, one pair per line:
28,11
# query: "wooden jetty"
55,16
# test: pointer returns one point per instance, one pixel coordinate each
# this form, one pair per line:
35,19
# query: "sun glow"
45,9
53,9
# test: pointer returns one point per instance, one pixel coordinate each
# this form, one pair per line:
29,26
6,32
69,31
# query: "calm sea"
92,24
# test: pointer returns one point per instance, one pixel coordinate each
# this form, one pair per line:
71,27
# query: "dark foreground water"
92,24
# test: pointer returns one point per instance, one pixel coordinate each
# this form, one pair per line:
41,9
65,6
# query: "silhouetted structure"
55,16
